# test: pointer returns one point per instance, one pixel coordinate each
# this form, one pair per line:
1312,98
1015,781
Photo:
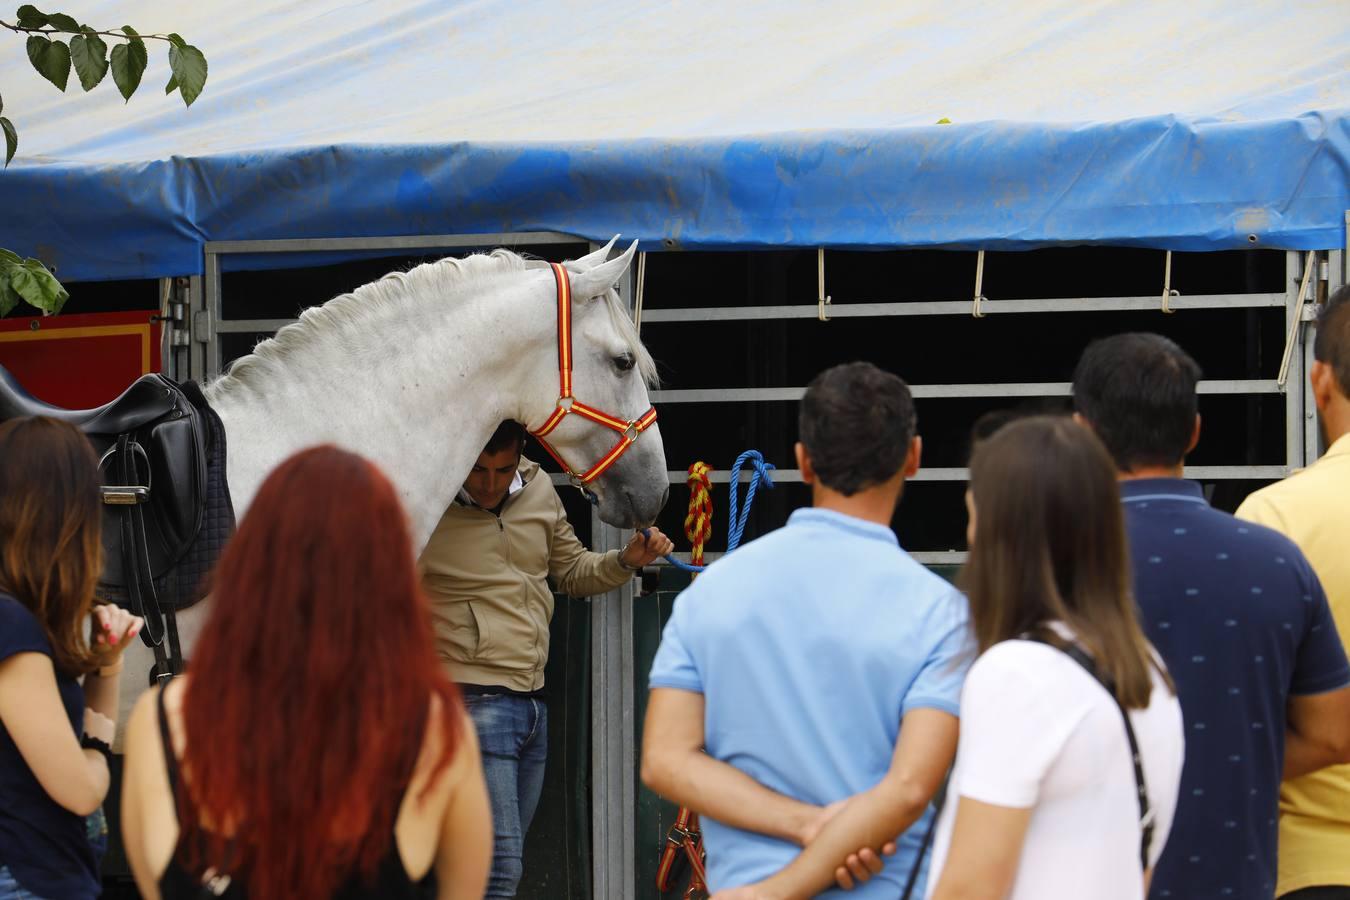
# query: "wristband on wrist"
109,671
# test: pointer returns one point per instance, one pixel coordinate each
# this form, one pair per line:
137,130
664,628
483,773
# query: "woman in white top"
1043,801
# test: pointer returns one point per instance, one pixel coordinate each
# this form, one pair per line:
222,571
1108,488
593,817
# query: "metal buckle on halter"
565,403
632,431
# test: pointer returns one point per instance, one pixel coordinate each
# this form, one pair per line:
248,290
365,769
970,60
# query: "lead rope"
685,835
698,521
736,526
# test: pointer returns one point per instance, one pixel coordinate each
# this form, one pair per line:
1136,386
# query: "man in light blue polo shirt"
816,664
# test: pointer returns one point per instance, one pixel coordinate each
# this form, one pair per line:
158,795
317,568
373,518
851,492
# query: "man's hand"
641,551
858,868
822,815
747,892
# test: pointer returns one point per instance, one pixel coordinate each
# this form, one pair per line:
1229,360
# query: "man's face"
491,476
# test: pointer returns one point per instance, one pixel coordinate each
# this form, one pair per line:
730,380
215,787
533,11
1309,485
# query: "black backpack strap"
1080,656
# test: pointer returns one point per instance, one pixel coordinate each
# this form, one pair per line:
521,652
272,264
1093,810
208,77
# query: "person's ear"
1322,380
804,463
913,456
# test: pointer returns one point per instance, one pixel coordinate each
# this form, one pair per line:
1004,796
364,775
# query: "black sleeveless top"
391,881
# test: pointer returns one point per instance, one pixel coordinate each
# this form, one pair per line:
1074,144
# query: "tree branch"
115,34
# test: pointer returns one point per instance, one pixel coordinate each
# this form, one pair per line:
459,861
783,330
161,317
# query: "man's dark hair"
1138,393
1332,344
856,422
509,435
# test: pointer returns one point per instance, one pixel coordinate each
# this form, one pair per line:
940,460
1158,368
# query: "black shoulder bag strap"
1080,656
938,800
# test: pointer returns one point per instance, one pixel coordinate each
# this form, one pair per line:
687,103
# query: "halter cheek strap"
629,431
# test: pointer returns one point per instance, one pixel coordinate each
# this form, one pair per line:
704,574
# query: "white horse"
416,370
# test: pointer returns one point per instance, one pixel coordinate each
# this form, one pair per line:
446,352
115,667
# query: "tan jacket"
487,579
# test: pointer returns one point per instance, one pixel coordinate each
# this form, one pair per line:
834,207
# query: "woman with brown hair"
1070,752
314,749
55,732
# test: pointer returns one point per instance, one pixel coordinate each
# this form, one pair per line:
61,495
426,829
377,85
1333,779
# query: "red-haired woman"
315,749
54,732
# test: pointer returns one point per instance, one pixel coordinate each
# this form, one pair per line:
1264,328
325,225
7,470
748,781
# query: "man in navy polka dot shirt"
1236,613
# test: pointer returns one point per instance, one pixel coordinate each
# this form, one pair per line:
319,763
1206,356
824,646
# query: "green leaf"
63,22
9,298
189,70
50,58
172,85
9,258
11,139
90,56
129,31
34,283
177,40
30,17
128,65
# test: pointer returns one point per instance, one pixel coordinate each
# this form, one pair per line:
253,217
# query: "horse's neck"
419,399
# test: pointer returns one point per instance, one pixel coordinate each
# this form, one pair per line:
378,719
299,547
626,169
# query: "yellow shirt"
1312,508
486,577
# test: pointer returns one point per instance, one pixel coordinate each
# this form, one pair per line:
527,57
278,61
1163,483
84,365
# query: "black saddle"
152,447
146,400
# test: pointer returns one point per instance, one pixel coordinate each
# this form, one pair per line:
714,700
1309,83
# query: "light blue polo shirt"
809,646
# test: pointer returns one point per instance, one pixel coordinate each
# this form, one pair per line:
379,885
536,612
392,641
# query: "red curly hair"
312,684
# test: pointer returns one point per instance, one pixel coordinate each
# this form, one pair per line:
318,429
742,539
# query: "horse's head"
610,374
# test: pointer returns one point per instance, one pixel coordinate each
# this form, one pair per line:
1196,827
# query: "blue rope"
737,525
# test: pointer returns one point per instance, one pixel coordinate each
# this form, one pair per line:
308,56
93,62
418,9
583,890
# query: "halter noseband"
567,403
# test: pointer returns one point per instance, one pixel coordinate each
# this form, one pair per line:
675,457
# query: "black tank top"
391,880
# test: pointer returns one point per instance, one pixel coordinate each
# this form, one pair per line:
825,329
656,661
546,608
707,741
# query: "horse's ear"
596,280
591,260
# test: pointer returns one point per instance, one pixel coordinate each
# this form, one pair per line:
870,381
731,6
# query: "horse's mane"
352,312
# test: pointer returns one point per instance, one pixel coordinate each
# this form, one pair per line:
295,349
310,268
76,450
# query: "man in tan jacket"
486,570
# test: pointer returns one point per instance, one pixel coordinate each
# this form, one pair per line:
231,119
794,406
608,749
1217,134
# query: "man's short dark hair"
856,422
1138,393
1332,344
509,435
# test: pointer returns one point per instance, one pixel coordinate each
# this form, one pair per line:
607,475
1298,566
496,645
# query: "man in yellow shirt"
1312,508
486,570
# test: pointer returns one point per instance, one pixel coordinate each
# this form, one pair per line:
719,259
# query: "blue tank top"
44,845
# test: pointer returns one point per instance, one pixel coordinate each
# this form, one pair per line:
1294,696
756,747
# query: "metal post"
613,727
208,317
1295,387
196,351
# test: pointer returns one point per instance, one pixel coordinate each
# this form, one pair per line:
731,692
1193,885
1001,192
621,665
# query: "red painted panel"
80,361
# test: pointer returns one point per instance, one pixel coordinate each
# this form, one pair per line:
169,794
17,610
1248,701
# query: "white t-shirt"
1038,731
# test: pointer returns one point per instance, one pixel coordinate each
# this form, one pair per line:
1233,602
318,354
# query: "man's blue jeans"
513,737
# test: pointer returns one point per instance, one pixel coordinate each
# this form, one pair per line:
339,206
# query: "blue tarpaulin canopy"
1202,125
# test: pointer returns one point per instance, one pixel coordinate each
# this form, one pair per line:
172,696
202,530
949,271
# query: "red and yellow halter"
567,403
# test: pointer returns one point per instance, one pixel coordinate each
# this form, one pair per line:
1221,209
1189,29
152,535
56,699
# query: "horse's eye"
625,362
